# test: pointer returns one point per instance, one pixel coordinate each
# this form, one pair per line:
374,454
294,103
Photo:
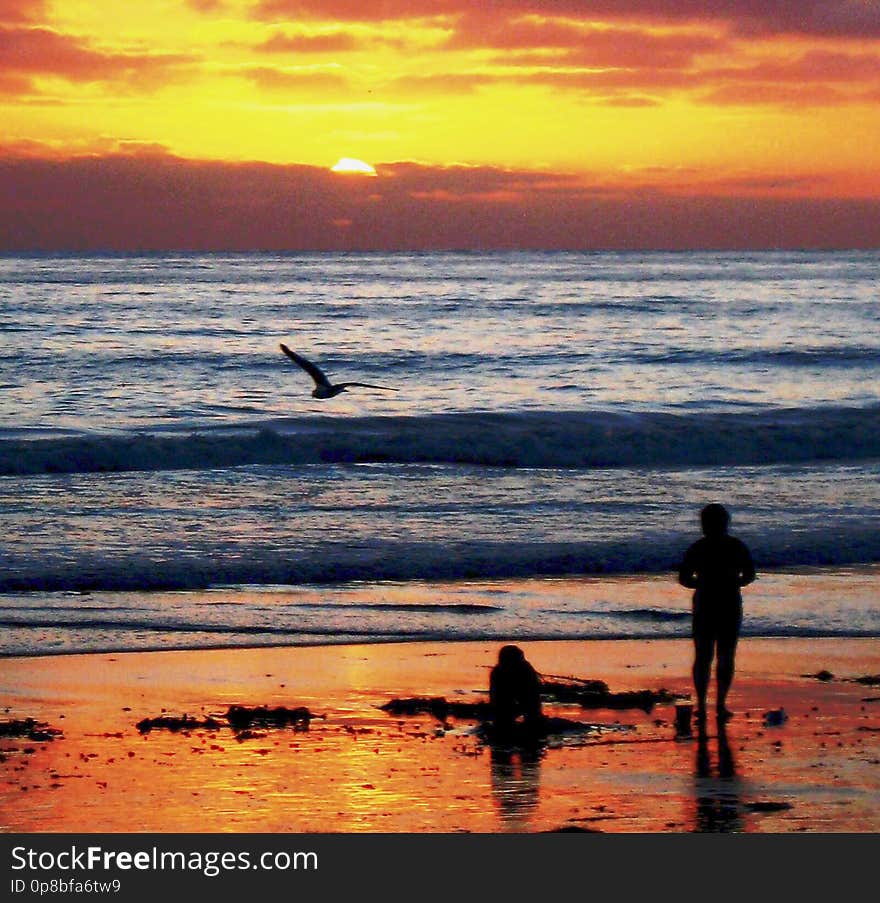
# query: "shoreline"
817,603
391,641
359,769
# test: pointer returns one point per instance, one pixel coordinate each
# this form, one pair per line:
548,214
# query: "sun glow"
352,165
529,126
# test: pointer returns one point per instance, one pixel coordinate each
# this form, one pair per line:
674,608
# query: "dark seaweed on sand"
869,680
588,694
822,675
595,694
30,729
768,806
176,723
238,717
442,710
241,717
437,706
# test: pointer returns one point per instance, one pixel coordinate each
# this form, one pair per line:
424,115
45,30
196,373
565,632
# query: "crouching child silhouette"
716,567
515,697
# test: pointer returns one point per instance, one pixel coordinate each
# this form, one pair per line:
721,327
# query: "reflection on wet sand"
717,796
366,770
516,777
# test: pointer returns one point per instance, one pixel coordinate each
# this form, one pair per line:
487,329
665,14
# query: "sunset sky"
214,124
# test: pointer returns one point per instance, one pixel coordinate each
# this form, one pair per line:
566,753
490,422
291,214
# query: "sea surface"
167,480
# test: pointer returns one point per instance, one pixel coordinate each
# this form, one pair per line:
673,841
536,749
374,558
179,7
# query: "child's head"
714,519
509,656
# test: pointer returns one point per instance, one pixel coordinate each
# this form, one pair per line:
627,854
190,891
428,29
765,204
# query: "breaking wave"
385,560
580,440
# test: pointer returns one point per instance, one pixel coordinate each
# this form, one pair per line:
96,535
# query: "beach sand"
360,769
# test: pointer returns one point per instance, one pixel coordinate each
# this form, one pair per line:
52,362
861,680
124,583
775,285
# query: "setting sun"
352,165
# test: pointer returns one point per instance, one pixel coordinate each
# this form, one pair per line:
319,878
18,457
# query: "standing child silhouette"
716,567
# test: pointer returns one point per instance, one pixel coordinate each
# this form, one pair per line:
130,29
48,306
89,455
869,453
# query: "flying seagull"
323,387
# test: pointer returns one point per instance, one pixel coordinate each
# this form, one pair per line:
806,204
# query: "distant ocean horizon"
166,477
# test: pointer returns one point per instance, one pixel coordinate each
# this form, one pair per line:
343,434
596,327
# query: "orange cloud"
855,19
14,85
814,65
588,81
815,78
829,18
629,100
22,11
831,77
41,51
326,42
446,82
271,79
461,182
332,40
577,45
353,11
206,6
153,201
777,95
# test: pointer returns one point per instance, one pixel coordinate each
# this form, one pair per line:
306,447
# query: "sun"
352,165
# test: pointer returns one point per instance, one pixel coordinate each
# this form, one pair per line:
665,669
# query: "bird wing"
315,372
367,386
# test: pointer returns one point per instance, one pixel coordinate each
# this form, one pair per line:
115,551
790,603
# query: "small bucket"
684,713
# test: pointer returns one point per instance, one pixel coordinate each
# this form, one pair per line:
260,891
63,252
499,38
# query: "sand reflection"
516,779
717,792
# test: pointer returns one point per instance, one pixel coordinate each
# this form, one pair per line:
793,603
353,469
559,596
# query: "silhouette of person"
716,567
515,736
514,693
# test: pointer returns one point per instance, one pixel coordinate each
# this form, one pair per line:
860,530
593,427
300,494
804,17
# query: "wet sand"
359,769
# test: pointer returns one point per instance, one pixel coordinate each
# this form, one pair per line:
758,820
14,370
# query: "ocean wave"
539,439
469,608
838,357
170,627
656,615
397,561
41,639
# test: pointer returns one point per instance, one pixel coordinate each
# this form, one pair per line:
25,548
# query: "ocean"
167,480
